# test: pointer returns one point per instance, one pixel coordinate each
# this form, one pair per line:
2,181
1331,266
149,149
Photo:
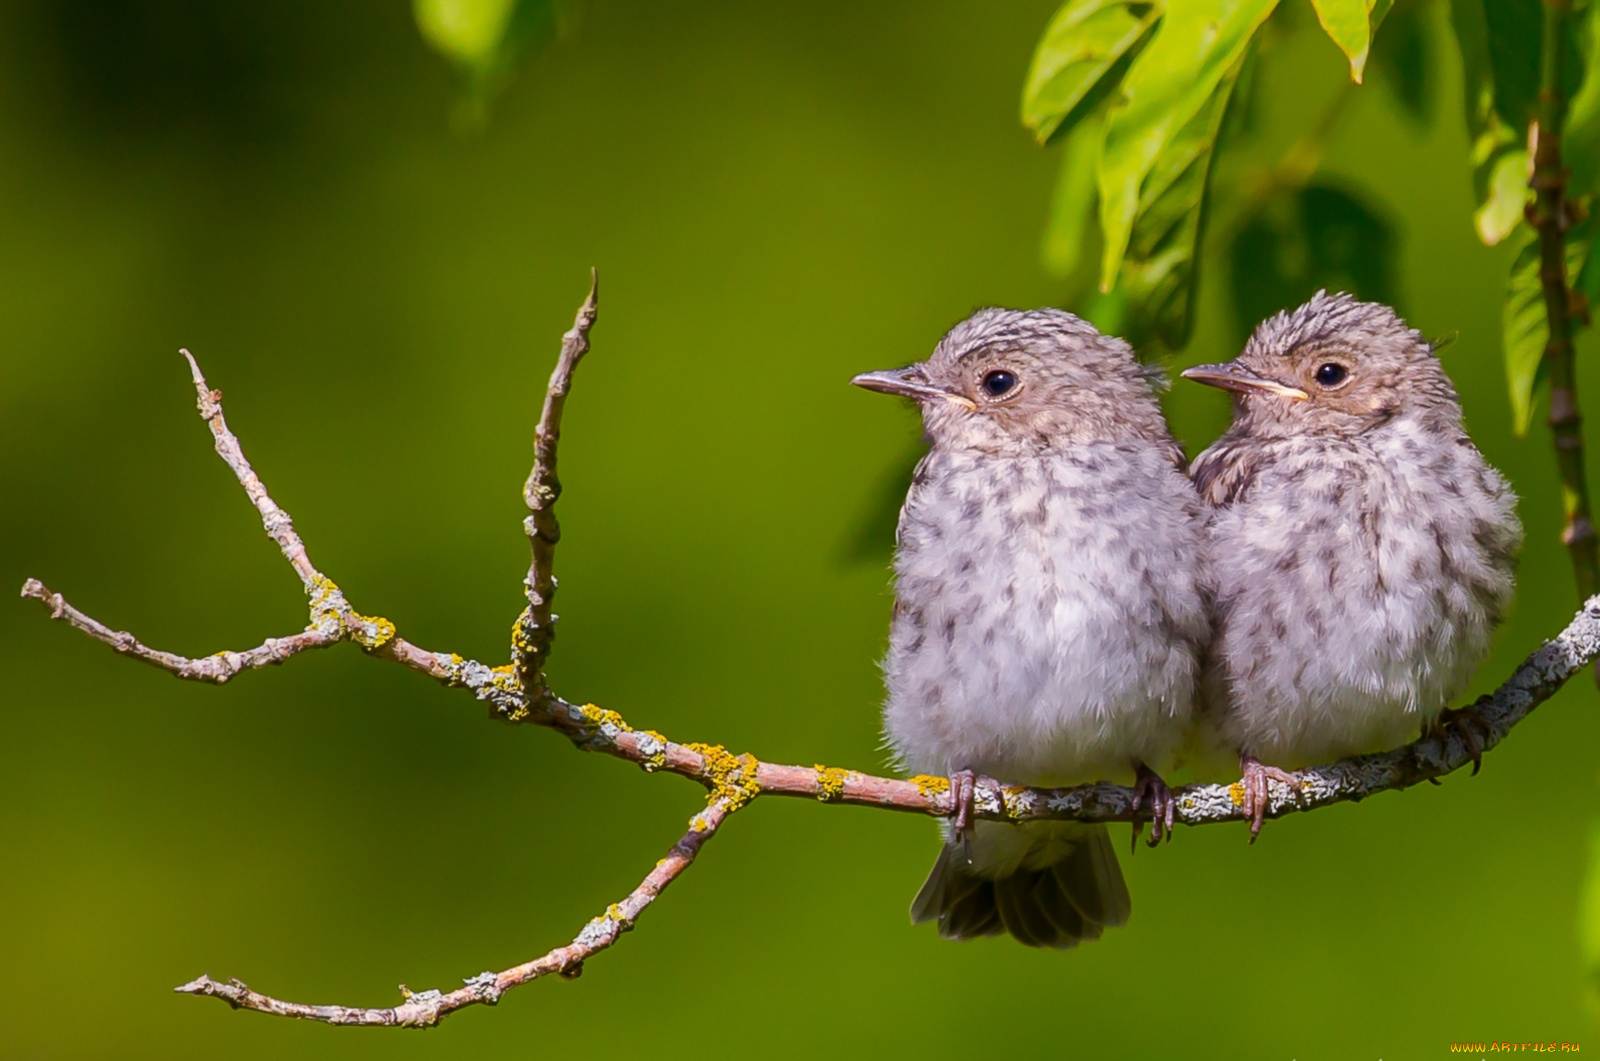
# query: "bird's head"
1006,381
1334,366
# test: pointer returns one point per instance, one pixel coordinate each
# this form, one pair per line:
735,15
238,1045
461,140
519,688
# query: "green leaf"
468,32
1526,327
1174,77
1499,160
1580,140
1303,239
1346,21
1159,269
484,39
1403,58
1082,44
1502,183
1515,32
1066,232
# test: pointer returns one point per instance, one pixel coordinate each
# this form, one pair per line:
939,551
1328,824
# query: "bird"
1048,617
1362,550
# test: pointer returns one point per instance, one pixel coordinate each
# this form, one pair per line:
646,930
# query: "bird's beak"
907,383
1233,376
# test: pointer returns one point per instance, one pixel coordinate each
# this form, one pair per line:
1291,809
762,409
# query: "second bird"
1363,549
1048,617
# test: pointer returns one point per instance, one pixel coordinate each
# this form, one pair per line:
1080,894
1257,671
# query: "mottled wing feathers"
1223,472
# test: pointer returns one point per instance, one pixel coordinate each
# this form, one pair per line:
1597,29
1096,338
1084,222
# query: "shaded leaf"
1499,161
1403,58
1067,232
1080,47
1159,271
1173,78
1515,30
1304,239
1526,328
871,537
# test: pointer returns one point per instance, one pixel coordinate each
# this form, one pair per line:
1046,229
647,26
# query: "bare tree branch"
424,1008
217,668
734,780
535,627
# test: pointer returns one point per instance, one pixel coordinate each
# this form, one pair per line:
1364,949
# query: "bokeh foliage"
779,196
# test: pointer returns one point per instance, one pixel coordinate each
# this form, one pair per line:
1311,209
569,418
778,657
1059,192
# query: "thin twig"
733,780
1549,216
535,627
422,1009
217,668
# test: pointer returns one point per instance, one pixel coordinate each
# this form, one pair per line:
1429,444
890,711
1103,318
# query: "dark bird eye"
1331,375
998,382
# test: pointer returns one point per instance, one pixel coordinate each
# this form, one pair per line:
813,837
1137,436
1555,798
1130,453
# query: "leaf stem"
1549,216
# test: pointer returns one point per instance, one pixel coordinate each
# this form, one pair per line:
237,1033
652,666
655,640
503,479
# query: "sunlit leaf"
1303,239
1067,232
466,31
1082,44
1346,22
1499,160
1196,45
484,39
1525,324
1502,181
1159,270
1580,141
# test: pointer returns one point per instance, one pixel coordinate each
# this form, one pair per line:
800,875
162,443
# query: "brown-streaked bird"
1048,617
1363,551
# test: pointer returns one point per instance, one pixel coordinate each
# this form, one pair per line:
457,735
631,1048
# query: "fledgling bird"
1363,550
1048,618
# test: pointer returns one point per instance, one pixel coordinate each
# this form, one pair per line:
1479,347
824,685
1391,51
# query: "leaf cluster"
1141,98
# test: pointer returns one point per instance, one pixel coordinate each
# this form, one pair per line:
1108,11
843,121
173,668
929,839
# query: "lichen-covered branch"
422,1009
1549,214
733,780
535,627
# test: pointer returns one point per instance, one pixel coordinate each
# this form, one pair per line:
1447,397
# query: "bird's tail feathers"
1067,887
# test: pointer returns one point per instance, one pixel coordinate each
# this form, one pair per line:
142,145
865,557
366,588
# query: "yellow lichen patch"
1011,802
830,782
732,777
522,634
601,716
1236,793
325,599
931,786
654,749
369,631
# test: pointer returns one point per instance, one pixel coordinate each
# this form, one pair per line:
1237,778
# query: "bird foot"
1254,781
964,793
1150,790
1470,726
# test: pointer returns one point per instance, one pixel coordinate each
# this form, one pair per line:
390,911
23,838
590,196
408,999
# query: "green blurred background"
778,196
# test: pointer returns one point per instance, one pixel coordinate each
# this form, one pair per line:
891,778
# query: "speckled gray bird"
1048,617
1363,550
